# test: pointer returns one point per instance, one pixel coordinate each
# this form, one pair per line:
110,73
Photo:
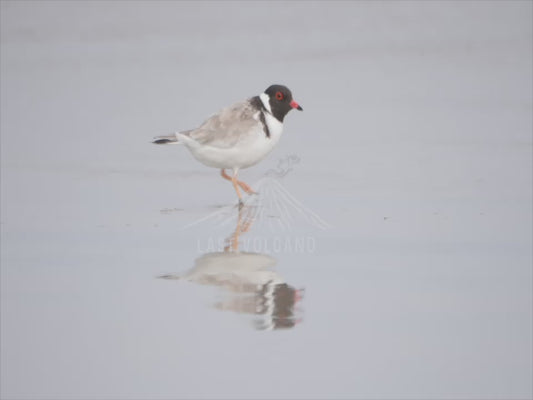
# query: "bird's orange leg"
224,175
243,185
246,187
235,182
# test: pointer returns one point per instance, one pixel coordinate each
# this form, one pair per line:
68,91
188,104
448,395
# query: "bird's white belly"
247,152
241,156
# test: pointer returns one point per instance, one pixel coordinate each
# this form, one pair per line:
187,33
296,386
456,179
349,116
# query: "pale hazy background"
415,146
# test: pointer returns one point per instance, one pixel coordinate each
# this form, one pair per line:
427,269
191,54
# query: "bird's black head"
281,101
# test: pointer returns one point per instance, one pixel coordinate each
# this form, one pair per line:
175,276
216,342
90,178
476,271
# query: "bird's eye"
279,95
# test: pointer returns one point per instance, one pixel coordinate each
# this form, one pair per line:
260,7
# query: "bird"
238,136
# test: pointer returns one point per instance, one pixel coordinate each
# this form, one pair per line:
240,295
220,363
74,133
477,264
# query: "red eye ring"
279,96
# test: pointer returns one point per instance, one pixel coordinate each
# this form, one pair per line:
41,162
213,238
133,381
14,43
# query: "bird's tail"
170,139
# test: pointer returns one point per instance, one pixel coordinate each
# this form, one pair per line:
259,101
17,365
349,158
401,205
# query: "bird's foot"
246,187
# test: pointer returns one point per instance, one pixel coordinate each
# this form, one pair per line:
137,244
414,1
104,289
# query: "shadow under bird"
240,135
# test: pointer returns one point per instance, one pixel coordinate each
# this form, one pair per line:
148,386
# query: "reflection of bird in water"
253,286
274,302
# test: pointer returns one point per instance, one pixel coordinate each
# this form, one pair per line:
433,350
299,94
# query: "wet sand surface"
388,253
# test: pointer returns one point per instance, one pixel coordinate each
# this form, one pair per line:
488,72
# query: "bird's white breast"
251,149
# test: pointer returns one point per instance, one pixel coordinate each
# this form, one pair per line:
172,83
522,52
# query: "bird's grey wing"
227,127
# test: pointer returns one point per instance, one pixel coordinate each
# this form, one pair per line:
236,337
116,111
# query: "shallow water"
388,253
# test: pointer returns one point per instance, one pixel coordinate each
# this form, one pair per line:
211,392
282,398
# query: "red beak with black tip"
296,105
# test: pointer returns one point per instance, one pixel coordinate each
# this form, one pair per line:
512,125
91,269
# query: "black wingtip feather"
163,141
